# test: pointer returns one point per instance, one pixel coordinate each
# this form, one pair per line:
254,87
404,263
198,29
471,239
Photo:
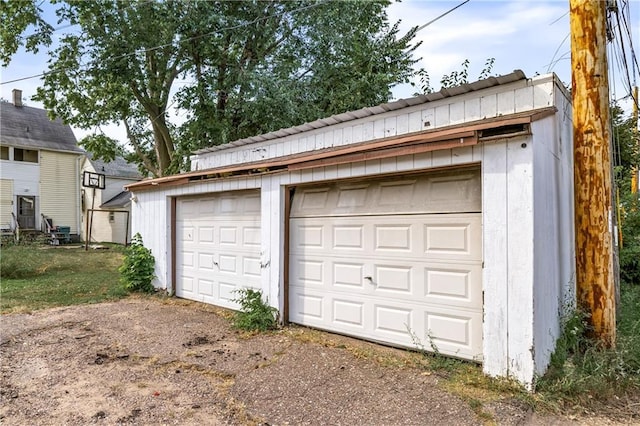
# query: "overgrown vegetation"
138,267
255,314
582,370
626,156
630,244
38,277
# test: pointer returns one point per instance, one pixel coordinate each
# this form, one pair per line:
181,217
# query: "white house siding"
59,189
522,290
25,178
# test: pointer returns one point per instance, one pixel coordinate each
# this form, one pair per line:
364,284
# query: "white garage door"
397,260
217,246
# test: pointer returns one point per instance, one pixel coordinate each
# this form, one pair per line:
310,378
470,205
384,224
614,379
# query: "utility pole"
595,285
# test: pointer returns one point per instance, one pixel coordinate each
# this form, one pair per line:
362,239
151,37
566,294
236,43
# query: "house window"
112,217
4,152
26,155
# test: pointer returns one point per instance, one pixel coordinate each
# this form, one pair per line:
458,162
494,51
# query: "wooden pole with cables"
595,285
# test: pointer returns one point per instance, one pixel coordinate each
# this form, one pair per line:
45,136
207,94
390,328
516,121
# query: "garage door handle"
369,279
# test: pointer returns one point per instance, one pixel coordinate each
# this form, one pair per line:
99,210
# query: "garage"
217,246
442,221
396,260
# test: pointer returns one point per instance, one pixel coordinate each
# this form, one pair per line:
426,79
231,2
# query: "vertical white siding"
492,102
554,267
494,274
272,233
149,218
59,186
520,259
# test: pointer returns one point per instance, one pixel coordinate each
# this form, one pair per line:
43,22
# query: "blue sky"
520,34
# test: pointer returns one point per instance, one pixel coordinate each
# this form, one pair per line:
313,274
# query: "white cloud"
518,34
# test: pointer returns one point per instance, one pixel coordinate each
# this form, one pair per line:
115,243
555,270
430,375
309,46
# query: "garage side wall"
554,247
149,217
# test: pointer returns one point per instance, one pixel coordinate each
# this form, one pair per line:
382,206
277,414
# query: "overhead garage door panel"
453,237
453,331
218,246
389,277
439,192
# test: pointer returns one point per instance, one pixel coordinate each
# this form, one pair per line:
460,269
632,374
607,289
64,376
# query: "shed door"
397,260
217,246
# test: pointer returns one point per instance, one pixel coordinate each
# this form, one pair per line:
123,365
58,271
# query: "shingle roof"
29,127
118,168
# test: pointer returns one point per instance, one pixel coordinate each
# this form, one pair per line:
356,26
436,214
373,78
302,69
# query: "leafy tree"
626,149
16,17
626,156
248,67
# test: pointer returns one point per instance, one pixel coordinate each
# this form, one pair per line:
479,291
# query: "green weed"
436,360
255,313
137,270
583,371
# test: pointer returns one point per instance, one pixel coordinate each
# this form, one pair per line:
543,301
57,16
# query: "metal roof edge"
443,133
516,75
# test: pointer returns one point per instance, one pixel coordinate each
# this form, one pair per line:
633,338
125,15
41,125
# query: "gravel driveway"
152,361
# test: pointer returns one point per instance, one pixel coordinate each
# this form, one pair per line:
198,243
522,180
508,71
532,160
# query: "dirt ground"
150,361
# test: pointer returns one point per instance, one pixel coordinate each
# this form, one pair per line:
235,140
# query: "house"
39,169
110,221
446,218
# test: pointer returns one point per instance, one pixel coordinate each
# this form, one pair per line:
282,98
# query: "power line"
441,16
556,20
634,63
552,63
621,51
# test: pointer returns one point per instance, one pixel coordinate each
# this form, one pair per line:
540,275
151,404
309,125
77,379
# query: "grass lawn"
38,277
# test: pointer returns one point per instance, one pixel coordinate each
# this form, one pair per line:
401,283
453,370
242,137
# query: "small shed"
443,220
